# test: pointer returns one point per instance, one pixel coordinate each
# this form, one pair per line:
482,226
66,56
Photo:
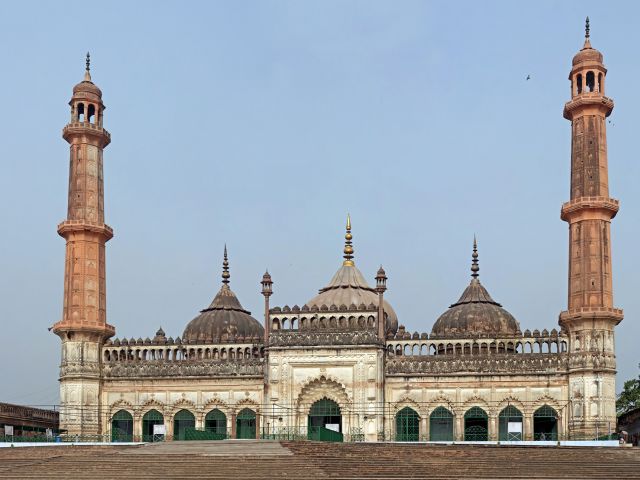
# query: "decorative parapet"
295,338
156,369
478,365
136,351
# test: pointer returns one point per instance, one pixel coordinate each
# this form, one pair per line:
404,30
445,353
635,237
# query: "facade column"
137,427
528,426
458,434
258,415
169,426
493,430
233,425
425,434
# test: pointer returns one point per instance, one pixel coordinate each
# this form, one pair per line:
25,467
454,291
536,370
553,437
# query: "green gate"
545,424
476,425
322,413
122,427
441,425
509,415
183,420
215,422
246,424
151,418
407,425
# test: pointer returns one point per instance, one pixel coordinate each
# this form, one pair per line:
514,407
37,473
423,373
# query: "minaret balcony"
592,207
86,128
74,226
587,99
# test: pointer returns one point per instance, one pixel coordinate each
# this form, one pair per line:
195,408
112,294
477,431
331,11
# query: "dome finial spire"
87,73
475,268
587,30
225,267
348,249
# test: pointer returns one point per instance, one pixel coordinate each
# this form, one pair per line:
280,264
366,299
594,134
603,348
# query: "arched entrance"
246,424
476,425
122,427
151,418
183,420
510,424
545,423
441,425
216,422
407,425
324,414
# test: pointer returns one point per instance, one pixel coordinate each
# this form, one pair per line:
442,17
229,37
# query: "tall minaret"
83,327
590,317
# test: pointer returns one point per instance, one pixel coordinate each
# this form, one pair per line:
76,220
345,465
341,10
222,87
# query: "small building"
27,421
630,422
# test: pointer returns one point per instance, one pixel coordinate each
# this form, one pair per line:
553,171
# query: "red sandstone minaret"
83,327
590,317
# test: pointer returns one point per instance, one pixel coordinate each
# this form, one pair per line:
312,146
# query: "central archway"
324,414
151,418
476,425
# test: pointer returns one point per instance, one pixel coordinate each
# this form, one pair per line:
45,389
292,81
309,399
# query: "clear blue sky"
260,124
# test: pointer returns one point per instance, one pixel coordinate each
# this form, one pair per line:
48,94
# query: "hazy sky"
260,124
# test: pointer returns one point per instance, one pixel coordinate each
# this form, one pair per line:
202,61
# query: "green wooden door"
246,424
407,425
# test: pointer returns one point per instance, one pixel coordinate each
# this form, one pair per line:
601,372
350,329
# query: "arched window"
545,423
246,424
122,427
151,418
591,82
600,84
510,424
80,112
91,113
476,425
407,425
216,422
441,425
183,421
579,82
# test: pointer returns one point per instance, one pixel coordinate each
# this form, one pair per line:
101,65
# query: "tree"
629,398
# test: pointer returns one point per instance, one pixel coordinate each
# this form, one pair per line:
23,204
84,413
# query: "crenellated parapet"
323,317
313,338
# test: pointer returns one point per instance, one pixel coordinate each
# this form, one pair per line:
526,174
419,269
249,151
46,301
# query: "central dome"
475,313
348,287
224,319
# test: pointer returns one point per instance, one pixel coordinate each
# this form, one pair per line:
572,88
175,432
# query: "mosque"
340,365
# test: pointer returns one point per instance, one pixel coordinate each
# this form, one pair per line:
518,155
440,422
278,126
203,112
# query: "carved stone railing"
135,352
293,338
195,368
539,363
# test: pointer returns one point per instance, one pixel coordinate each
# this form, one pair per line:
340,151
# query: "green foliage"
629,398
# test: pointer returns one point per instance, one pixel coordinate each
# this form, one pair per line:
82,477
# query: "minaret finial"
586,28
87,73
348,249
225,267
474,259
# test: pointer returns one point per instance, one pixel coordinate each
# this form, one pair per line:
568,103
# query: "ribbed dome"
224,318
475,313
348,287
587,54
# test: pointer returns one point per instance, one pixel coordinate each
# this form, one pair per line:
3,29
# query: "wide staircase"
254,459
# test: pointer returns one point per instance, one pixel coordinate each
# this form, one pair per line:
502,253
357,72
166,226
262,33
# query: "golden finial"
348,249
225,267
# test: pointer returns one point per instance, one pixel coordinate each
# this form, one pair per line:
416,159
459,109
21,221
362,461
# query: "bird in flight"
528,77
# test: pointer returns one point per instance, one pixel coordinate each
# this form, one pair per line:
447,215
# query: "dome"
587,54
348,287
224,318
475,313
86,86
